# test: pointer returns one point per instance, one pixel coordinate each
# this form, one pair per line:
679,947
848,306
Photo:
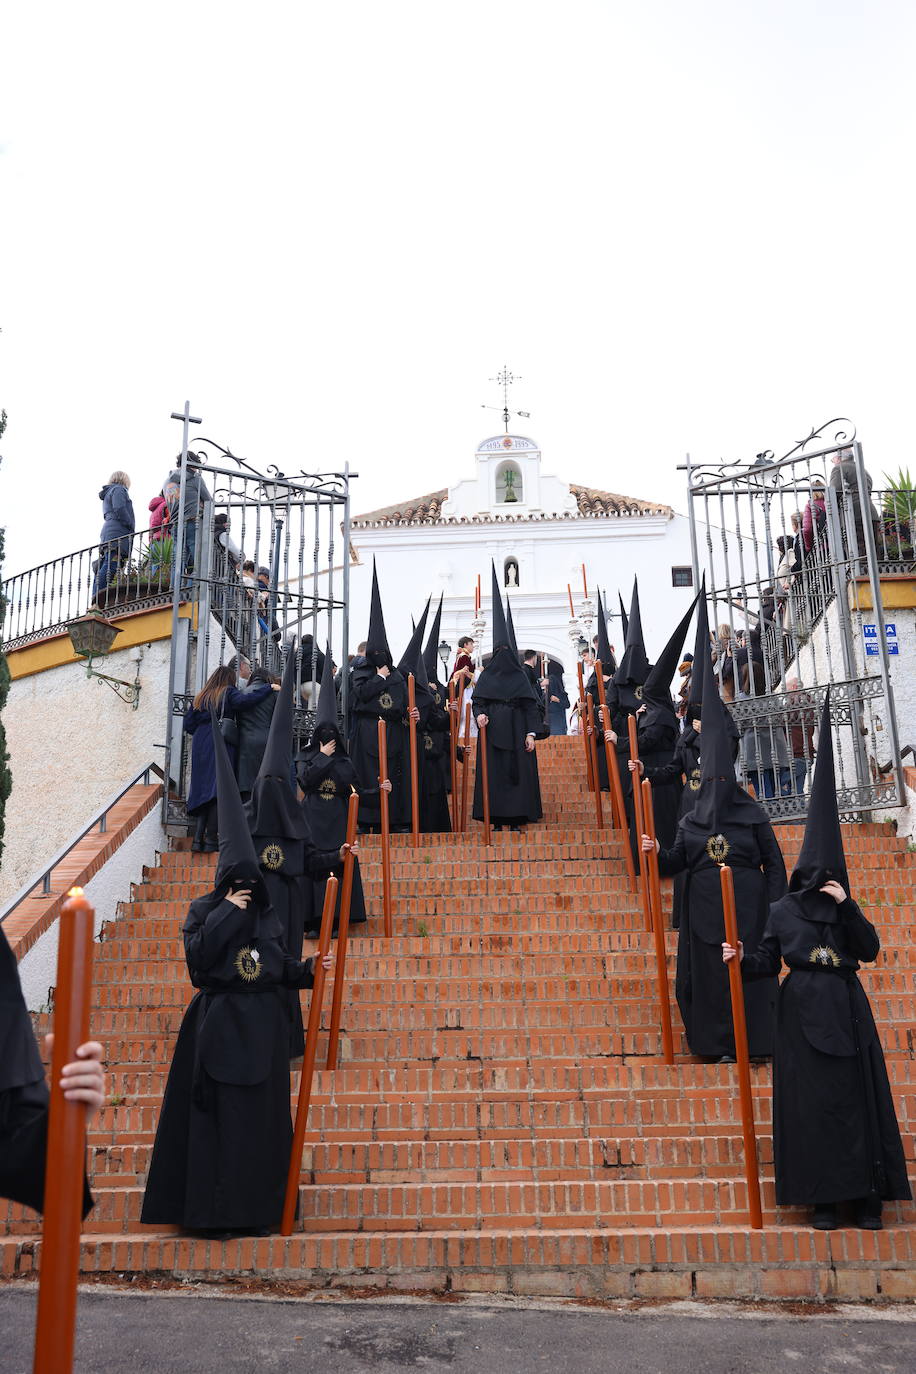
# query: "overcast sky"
685,225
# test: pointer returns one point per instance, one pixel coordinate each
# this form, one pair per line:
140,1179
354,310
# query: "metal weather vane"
505,379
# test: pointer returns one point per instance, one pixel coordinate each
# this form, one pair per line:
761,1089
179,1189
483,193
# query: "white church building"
539,530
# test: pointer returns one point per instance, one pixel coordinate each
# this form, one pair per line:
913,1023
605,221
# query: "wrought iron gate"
258,560
789,549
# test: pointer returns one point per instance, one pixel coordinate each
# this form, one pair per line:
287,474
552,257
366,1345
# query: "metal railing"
43,877
137,574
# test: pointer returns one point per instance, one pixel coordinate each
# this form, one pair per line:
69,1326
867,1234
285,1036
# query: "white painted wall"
72,745
106,890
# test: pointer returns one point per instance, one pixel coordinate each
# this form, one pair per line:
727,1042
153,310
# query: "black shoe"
727,1059
197,847
824,1217
868,1214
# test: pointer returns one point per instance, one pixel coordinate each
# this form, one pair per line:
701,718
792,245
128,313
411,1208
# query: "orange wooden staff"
414,766
593,755
484,781
453,755
658,925
343,930
638,822
736,987
385,826
308,1060
613,773
582,730
466,770
55,1329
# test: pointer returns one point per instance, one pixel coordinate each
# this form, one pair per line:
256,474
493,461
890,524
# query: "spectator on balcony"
117,531
844,480
802,723
764,749
158,532
814,519
193,503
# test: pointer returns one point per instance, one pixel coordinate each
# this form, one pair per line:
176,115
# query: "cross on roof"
505,379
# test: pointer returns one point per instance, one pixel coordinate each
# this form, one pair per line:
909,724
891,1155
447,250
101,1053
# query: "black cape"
327,782
701,982
225,1132
504,695
835,1132
375,698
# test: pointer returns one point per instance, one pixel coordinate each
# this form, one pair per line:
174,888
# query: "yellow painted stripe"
897,593
142,627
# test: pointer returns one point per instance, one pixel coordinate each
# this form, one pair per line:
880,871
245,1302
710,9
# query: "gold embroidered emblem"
272,857
637,692
328,790
386,701
717,847
693,782
248,964
824,955
427,741
437,698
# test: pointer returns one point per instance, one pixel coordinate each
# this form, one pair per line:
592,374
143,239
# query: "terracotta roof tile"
427,510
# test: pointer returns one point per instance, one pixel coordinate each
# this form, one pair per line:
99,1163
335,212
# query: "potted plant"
898,510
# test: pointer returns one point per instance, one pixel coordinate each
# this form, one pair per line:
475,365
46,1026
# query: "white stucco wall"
109,887
72,745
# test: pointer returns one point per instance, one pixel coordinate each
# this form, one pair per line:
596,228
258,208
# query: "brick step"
633,973
459,1206
541,1157
789,1261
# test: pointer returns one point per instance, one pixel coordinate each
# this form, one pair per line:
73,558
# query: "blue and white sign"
870,635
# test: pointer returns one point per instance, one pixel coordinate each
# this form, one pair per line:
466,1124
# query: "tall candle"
572,612
584,582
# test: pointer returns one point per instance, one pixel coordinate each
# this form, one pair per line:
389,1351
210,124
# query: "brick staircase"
502,1119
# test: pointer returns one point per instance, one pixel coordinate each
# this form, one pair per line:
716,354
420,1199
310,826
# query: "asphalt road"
133,1334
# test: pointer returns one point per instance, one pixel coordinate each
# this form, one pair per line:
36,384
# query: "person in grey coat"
253,708
765,759
118,526
844,480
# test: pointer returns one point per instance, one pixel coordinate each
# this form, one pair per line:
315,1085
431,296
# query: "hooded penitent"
431,652
326,719
657,686
378,654
510,627
700,655
273,809
412,662
605,655
504,678
720,799
633,668
822,857
237,865
624,618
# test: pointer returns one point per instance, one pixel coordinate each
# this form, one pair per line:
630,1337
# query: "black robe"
376,698
23,1096
835,1132
684,764
515,792
225,1131
433,744
701,984
327,782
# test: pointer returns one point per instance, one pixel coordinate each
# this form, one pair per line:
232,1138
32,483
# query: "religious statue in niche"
511,579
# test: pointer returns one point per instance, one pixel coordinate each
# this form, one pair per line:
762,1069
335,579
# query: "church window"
509,489
510,573
682,577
